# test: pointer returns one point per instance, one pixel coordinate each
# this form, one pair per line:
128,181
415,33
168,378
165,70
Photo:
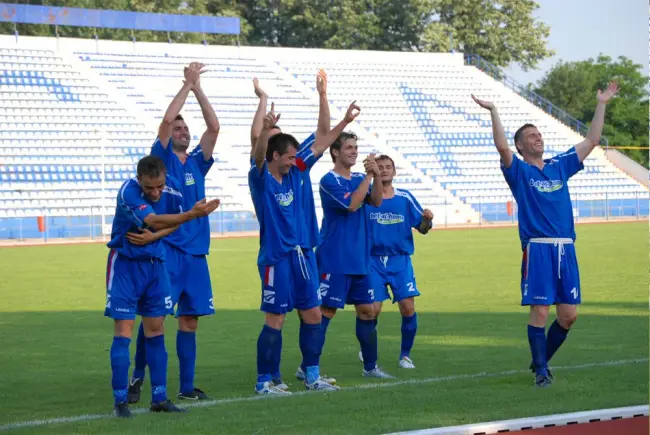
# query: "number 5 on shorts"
168,302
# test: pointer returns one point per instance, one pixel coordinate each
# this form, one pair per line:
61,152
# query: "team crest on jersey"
284,199
387,218
189,179
546,186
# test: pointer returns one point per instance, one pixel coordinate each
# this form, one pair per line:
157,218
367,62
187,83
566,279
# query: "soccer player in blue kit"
136,278
391,248
186,251
286,262
308,204
344,251
549,269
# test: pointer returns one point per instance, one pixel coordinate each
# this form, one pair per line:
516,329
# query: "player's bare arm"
163,221
258,120
323,142
425,224
144,237
324,118
259,152
377,190
209,137
498,133
191,74
584,148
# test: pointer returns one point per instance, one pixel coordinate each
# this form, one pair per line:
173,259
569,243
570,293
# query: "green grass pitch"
54,342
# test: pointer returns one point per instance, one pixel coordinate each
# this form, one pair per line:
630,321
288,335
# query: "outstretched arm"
165,221
324,117
258,120
498,133
584,148
259,152
191,74
209,137
323,142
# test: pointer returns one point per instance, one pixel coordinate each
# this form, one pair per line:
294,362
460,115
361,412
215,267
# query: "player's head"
180,134
529,142
386,167
281,152
151,176
344,150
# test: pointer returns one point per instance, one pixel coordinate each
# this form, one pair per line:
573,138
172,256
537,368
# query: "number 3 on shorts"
371,292
168,302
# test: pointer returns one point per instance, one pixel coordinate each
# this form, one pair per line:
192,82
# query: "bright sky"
581,29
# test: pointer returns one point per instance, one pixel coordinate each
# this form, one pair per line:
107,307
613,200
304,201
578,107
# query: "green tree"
502,32
573,86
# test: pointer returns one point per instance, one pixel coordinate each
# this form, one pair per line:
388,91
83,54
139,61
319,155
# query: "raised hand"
427,215
370,165
608,94
192,74
140,239
321,82
271,119
352,112
484,104
205,207
258,90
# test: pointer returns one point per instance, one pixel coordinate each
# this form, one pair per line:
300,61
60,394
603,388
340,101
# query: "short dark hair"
385,157
520,132
280,142
338,143
151,166
179,117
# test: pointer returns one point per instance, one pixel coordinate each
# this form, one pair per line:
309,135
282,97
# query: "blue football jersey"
196,233
279,211
132,208
392,222
311,234
344,246
542,196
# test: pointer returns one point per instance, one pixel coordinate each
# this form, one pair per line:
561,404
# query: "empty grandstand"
78,114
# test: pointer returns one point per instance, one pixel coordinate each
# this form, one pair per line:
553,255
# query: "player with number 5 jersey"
549,268
137,282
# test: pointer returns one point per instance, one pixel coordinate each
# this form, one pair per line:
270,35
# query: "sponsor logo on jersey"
284,199
546,186
387,218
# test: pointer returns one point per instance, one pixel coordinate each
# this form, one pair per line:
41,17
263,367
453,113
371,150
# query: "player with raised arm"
549,269
391,248
308,204
344,251
287,264
137,282
187,251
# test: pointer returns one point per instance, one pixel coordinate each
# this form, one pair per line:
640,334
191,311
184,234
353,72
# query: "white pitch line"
367,386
